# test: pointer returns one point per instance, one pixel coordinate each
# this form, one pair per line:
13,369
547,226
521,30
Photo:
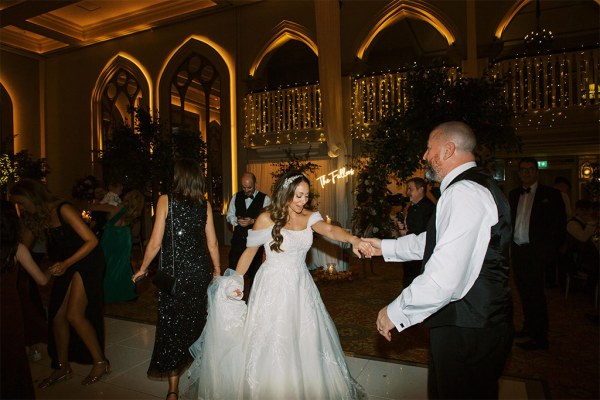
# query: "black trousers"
529,266
466,363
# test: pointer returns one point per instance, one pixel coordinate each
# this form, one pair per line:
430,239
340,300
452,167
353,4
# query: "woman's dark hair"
9,235
188,182
40,196
278,209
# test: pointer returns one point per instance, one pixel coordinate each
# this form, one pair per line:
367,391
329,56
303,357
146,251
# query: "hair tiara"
289,180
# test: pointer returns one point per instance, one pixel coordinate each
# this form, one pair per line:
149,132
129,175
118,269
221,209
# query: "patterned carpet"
570,369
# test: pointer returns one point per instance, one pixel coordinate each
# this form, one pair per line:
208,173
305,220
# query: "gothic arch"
6,122
400,9
281,34
510,14
136,70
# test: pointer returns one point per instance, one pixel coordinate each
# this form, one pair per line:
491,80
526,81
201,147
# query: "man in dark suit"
243,209
539,221
417,218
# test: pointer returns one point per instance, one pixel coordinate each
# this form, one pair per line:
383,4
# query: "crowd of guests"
533,230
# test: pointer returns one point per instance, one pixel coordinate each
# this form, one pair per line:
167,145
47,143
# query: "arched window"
119,98
120,87
195,95
196,107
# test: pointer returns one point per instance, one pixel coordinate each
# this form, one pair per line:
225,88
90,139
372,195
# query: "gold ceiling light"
539,36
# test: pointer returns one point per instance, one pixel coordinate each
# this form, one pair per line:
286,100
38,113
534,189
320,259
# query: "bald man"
462,293
243,209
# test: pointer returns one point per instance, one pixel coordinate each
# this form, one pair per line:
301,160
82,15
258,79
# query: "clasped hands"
57,269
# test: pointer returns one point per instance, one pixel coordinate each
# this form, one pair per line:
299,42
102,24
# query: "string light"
543,86
540,87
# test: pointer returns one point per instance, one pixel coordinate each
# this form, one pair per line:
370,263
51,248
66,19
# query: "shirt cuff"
388,250
395,314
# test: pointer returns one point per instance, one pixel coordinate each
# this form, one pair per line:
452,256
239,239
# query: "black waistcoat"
241,232
489,301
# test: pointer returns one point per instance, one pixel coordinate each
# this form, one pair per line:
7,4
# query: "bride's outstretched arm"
359,247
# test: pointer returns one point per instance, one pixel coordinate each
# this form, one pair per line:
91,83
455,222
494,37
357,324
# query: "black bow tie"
250,197
524,191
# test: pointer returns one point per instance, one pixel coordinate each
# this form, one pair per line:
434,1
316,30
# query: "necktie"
525,191
250,197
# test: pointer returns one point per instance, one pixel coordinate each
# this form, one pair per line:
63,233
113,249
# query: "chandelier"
538,37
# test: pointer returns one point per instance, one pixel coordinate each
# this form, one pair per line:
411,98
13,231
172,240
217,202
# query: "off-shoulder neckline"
291,230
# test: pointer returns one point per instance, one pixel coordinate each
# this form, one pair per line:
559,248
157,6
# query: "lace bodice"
296,243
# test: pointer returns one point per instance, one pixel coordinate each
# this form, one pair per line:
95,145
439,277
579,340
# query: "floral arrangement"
331,275
84,188
371,212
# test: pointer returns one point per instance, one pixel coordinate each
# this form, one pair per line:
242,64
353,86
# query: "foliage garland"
20,165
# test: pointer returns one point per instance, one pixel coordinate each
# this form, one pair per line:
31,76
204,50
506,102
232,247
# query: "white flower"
369,190
367,182
375,229
373,212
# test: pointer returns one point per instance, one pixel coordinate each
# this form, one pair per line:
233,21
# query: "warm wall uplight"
508,17
398,10
283,33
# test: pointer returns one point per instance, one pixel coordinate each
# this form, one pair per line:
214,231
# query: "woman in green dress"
116,244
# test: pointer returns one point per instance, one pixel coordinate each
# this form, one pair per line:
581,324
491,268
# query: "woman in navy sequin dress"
183,230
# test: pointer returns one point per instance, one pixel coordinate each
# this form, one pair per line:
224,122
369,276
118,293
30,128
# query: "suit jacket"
547,225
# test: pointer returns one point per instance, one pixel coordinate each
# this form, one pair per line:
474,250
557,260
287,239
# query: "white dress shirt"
466,211
521,235
231,214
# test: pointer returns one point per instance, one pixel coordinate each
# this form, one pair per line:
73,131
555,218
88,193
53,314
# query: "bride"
284,344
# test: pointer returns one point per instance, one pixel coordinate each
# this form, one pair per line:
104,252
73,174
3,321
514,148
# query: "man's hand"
385,324
245,221
376,243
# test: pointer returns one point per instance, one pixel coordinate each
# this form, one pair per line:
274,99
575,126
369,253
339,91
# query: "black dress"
63,241
181,317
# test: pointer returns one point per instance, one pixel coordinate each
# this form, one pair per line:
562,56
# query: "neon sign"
335,174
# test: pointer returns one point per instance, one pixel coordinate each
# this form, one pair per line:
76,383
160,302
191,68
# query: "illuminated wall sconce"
586,171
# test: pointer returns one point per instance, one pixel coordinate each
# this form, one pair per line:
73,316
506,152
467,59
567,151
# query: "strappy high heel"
91,379
52,379
170,393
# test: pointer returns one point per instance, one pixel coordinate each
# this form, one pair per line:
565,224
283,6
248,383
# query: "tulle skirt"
284,345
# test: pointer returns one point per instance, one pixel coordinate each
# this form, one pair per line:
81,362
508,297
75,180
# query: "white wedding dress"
283,346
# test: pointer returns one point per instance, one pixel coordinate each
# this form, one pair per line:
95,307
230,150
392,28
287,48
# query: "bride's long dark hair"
278,209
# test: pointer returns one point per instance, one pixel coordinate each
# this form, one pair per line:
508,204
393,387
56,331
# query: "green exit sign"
542,164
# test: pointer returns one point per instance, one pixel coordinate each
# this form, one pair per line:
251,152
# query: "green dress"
116,244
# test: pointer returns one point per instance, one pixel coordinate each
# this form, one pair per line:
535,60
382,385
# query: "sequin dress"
283,346
181,317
